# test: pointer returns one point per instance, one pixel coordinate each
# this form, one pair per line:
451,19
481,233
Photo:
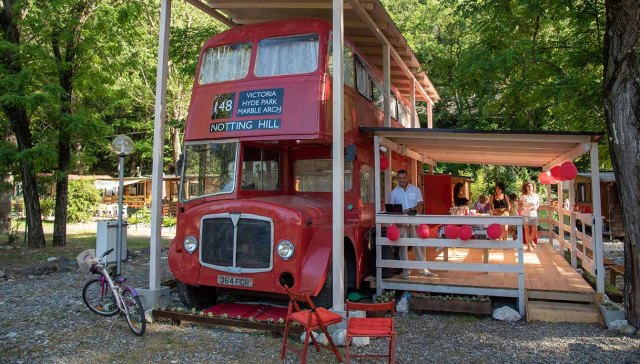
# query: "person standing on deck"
410,197
530,203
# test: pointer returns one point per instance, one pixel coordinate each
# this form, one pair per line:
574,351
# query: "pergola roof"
239,12
516,148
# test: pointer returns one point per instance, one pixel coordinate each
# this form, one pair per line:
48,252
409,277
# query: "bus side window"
363,80
347,65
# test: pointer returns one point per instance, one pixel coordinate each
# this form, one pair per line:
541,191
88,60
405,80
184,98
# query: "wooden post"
572,214
549,216
560,218
158,146
521,272
415,123
386,73
596,229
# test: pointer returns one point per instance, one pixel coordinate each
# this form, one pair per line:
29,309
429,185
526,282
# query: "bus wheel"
197,297
325,297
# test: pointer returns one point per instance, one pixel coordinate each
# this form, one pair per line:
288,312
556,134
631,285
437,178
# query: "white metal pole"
338,157
378,192
158,146
120,204
598,249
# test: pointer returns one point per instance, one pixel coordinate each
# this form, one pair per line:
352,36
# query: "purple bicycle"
107,296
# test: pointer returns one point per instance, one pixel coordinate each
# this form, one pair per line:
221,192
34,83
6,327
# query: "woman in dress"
500,205
530,201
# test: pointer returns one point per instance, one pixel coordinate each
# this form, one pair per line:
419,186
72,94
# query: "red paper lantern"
551,180
555,173
393,233
494,231
423,231
384,163
568,171
543,177
451,231
465,232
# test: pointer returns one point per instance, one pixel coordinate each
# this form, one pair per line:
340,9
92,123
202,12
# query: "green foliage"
140,216
83,199
47,205
169,221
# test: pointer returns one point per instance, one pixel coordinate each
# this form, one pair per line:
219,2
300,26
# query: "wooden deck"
545,270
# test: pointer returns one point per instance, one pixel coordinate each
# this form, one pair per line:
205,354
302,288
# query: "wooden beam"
569,156
281,5
213,13
378,50
347,24
372,40
376,54
483,143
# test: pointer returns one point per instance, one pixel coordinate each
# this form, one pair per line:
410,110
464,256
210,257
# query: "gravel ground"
43,320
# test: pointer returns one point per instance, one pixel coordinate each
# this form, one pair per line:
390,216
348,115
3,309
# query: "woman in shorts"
530,201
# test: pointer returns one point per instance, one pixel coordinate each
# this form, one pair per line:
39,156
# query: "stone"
627,330
148,315
616,324
339,338
47,269
2,274
39,332
320,338
506,313
11,335
51,259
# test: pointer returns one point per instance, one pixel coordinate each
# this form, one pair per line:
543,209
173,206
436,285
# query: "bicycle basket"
85,260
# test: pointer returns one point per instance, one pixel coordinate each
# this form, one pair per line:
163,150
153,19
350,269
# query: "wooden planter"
430,304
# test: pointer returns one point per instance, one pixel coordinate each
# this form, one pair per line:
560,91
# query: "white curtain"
287,56
225,63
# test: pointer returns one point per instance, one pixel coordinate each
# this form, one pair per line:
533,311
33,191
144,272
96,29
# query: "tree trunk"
17,115
622,112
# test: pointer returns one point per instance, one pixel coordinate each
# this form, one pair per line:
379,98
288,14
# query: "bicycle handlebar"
106,253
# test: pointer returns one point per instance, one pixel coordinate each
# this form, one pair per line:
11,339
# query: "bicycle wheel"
99,298
134,312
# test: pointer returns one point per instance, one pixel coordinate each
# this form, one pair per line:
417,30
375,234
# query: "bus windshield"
287,55
209,169
225,63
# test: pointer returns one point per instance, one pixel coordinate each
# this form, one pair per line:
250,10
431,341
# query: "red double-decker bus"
255,202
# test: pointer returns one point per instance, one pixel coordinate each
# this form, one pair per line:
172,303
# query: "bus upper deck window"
225,63
287,55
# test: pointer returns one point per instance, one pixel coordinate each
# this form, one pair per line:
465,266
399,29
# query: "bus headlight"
286,249
190,244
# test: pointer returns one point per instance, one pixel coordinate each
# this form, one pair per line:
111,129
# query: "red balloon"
555,173
393,233
551,180
494,231
568,171
543,177
384,163
423,231
451,231
465,232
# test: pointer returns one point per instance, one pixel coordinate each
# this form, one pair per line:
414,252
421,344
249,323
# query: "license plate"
235,281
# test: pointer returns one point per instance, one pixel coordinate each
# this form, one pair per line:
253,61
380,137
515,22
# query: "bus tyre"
196,297
325,297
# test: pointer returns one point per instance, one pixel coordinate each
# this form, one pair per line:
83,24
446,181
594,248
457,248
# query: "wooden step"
560,306
550,311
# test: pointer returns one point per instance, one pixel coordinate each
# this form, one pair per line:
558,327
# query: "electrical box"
106,238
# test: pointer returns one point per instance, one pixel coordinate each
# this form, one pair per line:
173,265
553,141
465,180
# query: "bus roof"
239,12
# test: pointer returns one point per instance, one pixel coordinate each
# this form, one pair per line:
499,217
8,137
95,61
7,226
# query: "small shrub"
141,216
47,205
83,199
169,221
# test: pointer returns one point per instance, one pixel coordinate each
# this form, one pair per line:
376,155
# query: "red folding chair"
312,319
371,327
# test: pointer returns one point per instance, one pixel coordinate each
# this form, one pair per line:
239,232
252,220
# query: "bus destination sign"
240,125
260,102
250,103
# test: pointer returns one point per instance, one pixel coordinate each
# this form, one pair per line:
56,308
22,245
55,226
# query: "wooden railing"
134,202
485,267
588,253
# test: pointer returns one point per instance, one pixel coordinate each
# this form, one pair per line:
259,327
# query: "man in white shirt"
410,197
